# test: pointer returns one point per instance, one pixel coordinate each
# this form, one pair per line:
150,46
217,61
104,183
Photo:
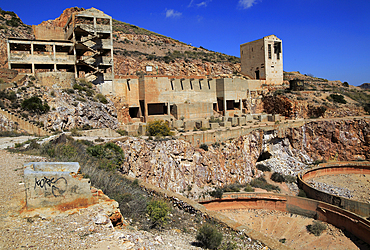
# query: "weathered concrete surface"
336,216
334,168
54,184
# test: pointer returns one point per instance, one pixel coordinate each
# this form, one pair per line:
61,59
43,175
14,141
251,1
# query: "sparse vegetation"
35,104
263,168
337,98
316,228
101,98
204,147
158,212
209,237
158,128
217,193
262,183
277,177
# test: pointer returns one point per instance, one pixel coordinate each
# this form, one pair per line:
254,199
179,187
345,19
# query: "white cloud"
173,13
202,4
191,2
245,4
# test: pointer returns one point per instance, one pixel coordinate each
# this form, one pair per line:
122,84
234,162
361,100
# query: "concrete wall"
129,88
354,206
338,217
103,132
255,56
223,134
54,184
56,80
7,74
48,33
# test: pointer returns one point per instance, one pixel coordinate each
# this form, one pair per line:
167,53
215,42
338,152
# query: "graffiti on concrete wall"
58,186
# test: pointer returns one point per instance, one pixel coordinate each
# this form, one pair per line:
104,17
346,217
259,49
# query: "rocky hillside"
320,98
78,107
11,26
176,165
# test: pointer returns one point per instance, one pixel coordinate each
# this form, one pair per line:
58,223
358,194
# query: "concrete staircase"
292,228
24,124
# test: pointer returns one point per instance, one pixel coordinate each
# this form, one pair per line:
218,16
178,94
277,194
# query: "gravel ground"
79,230
351,186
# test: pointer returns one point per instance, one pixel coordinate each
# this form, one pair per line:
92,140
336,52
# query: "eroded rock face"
176,164
343,140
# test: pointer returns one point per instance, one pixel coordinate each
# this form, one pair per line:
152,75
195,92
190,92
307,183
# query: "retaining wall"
223,134
319,210
335,168
25,125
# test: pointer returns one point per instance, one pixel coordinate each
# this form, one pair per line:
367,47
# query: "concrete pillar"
241,105
168,109
95,26
8,50
74,53
54,56
33,68
225,107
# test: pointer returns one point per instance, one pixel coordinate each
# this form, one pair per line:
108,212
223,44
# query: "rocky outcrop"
342,140
70,111
176,165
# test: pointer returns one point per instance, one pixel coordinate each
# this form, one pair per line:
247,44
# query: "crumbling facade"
84,46
263,59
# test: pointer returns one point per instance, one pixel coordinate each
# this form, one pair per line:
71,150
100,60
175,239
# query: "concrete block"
233,120
142,128
177,124
276,117
249,118
225,124
189,125
214,125
241,121
205,124
54,183
263,118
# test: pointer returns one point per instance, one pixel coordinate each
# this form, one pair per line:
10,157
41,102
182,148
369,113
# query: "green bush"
277,177
263,168
316,228
217,193
158,212
204,147
122,132
248,188
262,183
235,187
158,128
209,237
337,98
34,104
101,98
111,154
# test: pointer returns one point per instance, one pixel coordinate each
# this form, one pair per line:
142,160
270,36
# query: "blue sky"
325,38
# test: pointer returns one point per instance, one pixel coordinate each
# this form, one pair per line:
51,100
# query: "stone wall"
56,80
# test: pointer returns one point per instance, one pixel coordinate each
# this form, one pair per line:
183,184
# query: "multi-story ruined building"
263,59
83,48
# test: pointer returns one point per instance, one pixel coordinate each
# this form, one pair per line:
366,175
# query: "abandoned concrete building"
83,48
263,59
